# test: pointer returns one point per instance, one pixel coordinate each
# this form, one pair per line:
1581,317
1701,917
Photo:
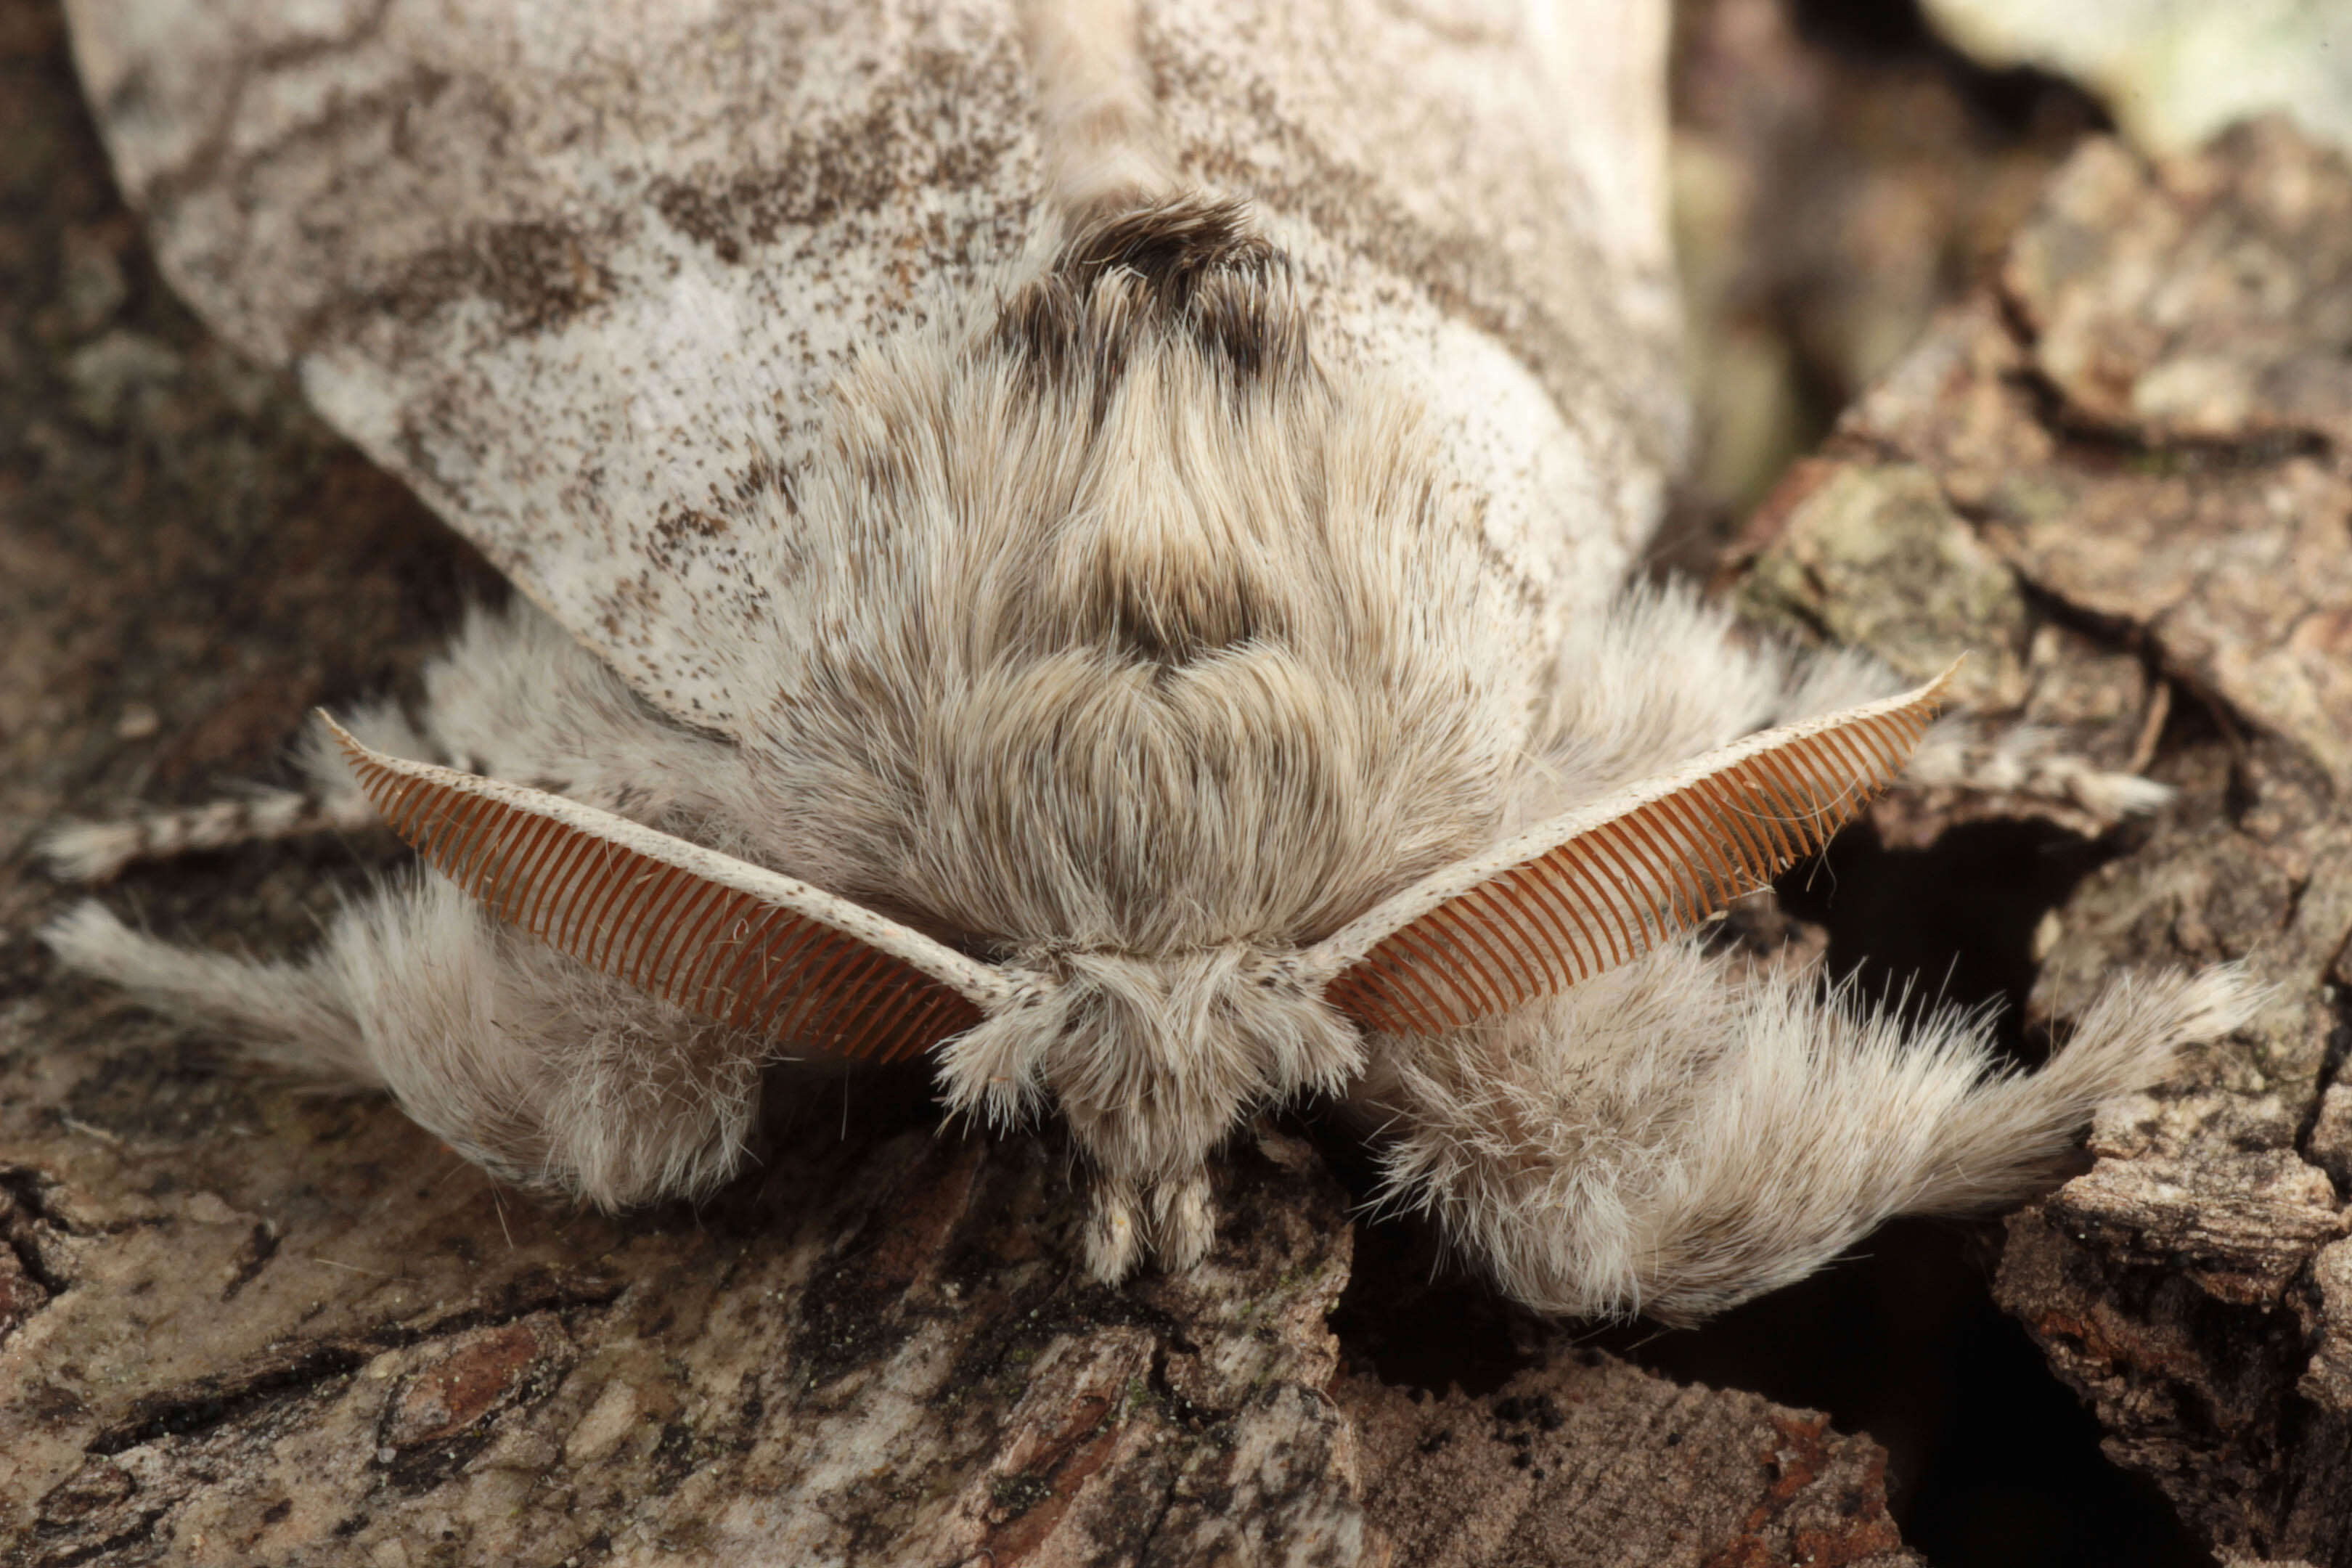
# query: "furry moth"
1086,542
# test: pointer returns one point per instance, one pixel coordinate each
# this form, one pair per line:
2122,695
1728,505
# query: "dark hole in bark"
1951,925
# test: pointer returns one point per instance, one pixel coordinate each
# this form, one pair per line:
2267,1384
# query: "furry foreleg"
1972,753
1665,676
513,696
95,851
531,1066
1679,1135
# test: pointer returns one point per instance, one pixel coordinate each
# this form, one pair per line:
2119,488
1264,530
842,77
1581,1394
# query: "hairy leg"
1664,676
527,1064
1681,1134
329,800
513,696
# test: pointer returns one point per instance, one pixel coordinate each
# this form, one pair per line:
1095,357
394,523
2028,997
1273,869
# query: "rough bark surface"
241,1322
2125,476
1589,1460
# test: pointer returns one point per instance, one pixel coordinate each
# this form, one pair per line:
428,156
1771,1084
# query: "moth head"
1151,1057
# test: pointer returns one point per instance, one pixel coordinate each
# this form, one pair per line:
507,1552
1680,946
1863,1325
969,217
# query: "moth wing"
579,272
1599,886
1475,194
717,936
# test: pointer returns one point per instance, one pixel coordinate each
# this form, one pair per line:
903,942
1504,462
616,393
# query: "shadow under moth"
1093,544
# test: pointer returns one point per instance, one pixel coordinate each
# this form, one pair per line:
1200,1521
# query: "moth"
1093,544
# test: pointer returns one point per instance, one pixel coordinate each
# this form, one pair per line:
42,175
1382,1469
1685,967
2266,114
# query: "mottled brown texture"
2140,422
1570,1463
1895,525
2203,311
2206,298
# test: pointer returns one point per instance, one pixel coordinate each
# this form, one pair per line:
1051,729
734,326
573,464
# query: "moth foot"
1113,1235
2026,760
1173,1219
1183,1222
95,851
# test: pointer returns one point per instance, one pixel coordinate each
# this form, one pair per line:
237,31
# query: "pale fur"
1673,1137
532,1066
1683,1133
1094,103
1127,625
1126,715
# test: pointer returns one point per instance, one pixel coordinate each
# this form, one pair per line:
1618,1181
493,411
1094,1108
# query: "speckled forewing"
582,270
1474,190
578,270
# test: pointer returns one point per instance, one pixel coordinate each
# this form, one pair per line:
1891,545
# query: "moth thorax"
1164,584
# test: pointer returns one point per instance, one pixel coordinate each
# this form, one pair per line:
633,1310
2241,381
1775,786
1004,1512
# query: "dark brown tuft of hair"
1189,269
